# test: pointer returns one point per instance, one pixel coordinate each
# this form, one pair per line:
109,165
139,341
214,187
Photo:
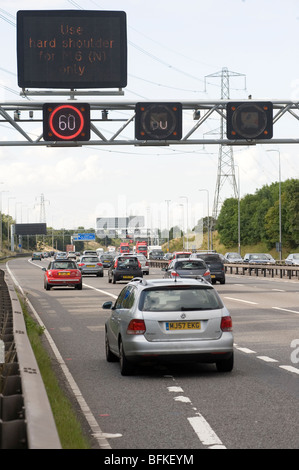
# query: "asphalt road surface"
186,406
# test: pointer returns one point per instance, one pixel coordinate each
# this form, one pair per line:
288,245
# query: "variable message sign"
31,229
71,49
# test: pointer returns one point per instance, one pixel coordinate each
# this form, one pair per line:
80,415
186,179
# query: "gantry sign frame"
21,114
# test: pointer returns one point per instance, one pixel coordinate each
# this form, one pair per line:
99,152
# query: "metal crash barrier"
264,270
26,420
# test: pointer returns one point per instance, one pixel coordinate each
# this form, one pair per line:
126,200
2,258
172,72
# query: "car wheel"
102,275
226,365
110,357
114,280
125,367
79,286
109,280
222,281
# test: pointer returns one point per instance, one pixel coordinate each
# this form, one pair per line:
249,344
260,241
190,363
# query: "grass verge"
68,426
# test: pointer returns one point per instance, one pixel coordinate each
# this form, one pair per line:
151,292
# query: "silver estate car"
91,265
164,320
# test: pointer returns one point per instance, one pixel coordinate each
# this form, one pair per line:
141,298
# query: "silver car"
91,265
293,258
168,320
144,263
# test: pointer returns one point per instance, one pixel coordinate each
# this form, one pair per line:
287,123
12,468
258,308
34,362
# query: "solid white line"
96,431
204,432
240,300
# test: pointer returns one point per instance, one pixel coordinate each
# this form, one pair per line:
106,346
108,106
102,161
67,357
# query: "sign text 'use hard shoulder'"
72,49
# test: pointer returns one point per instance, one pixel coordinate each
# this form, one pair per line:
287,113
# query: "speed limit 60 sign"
66,121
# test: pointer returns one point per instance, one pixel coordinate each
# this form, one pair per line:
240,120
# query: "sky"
173,49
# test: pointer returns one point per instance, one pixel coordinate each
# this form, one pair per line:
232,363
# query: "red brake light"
207,273
174,274
226,324
99,264
80,264
136,327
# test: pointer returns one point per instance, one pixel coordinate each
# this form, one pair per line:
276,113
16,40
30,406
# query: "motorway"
179,407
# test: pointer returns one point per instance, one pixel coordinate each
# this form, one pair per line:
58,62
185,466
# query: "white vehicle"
99,251
152,248
71,255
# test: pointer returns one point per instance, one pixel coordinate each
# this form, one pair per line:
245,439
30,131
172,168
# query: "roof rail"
139,279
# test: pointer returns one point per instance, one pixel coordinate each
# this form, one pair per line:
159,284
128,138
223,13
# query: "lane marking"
201,427
100,290
285,310
290,369
95,428
245,350
267,359
205,433
240,300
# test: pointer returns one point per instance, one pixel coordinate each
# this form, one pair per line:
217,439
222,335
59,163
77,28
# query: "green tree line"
259,217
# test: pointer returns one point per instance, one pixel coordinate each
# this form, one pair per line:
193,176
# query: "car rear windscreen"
163,300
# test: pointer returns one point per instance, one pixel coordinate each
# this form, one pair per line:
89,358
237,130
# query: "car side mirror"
44,269
107,305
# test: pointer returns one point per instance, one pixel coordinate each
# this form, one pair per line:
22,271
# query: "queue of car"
177,318
126,266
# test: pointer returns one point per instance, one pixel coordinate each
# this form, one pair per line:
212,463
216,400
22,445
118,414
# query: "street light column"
279,202
168,201
208,217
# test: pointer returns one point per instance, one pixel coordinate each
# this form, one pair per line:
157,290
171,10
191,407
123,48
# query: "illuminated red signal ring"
61,136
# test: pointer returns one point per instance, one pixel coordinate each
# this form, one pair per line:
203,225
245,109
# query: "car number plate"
183,325
128,277
213,275
90,265
64,274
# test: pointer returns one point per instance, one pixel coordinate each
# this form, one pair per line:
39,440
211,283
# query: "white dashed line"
267,359
203,430
205,433
240,300
290,369
245,350
285,310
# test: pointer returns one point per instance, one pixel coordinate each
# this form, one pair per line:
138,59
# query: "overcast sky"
172,48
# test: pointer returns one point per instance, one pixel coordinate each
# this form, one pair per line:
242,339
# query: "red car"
62,273
180,254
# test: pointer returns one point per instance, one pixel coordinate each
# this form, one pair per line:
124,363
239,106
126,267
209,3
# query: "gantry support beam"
112,120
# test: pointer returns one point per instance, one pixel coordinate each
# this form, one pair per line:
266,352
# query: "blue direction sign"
84,236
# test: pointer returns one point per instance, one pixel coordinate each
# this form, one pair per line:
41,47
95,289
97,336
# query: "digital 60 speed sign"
66,122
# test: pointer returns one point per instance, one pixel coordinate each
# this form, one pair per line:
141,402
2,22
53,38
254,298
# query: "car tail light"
174,274
136,327
115,264
99,264
80,264
139,265
226,323
207,273
49,273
